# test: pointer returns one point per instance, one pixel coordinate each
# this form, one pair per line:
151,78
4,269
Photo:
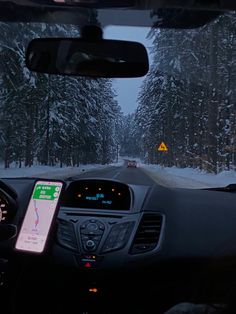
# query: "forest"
50,119
188,99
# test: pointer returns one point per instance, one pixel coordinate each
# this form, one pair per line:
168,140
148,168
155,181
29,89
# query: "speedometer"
7,207
3,208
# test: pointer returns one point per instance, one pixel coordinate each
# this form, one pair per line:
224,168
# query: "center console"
99,224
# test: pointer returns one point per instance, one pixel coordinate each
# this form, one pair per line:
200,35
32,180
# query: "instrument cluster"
7,207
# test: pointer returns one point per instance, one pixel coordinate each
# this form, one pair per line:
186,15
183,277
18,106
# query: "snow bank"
48,172
188,177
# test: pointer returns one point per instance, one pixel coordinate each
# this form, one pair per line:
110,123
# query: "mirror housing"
87,57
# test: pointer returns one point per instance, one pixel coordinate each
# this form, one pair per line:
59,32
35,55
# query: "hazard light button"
88,261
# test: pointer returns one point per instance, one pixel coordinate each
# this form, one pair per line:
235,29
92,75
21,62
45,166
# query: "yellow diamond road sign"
162,147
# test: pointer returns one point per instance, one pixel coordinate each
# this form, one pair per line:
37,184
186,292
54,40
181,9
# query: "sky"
128,89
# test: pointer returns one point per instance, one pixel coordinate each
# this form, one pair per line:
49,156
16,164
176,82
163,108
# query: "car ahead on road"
108,240
132,164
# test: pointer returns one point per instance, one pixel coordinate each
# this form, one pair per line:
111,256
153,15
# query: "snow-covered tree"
52,119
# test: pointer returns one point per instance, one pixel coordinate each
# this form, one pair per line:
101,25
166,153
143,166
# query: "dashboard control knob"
90,244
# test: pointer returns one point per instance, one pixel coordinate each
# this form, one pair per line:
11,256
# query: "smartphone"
39,216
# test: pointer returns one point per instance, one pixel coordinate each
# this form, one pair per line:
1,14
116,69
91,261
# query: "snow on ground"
188,177
170,177
49,172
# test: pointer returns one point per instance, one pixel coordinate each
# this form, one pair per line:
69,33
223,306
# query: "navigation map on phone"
39,216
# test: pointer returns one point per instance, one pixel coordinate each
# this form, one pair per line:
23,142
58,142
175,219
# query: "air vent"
148,233
66,235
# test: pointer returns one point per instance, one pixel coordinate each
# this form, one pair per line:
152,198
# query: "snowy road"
144,175
121,173
168,177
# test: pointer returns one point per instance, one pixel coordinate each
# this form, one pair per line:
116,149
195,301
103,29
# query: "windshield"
177,125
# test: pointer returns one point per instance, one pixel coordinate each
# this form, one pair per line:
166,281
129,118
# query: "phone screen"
39,216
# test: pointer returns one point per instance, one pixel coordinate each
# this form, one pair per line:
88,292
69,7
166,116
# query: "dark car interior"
177,243
113,246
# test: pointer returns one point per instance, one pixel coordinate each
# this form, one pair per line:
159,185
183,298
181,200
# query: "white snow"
48,172
170,177
188,177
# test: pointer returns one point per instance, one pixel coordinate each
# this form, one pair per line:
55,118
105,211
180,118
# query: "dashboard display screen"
98,194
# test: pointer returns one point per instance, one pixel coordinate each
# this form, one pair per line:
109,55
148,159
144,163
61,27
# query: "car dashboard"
110,232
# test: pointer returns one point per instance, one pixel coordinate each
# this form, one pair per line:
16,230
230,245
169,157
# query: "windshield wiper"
229,188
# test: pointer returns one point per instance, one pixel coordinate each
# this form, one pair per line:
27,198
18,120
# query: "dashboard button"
101,225
85,237
93,220
88,261
97,238
92,227
95,232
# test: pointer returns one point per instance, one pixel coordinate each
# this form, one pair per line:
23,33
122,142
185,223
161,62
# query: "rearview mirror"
83,57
